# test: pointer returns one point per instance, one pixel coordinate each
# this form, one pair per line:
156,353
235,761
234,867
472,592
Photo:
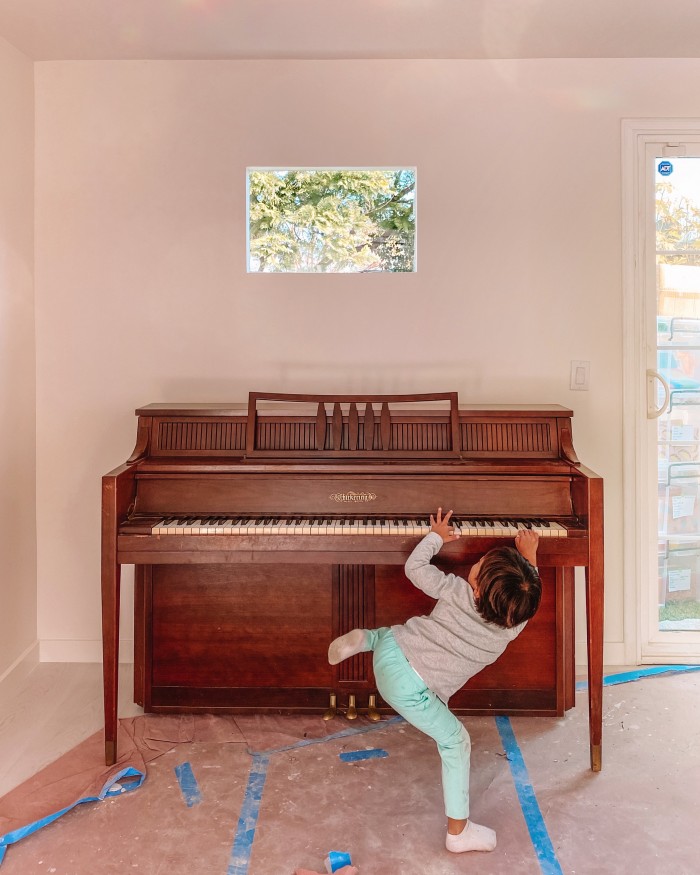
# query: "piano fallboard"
377,494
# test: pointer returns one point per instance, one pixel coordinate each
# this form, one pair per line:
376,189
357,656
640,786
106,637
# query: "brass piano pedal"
372,712
351,713
332,709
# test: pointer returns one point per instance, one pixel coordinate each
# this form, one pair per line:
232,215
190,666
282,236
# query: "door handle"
654,412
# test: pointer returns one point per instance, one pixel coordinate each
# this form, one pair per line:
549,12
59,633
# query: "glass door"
674,402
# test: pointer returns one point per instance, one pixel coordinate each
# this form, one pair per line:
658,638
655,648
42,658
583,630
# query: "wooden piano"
260,532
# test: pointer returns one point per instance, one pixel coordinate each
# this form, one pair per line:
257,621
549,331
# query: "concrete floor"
298,800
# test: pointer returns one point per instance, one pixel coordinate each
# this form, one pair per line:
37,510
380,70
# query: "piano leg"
594,616
110,657
118,490
594,612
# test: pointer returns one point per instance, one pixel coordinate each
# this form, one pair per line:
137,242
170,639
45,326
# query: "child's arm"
526,542
419,571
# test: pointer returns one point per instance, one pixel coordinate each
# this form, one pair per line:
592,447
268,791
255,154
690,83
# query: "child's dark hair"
509,588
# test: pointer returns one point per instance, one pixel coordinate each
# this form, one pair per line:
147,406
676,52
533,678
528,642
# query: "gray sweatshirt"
454,643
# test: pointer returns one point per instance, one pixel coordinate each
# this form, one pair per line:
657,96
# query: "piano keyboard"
499,528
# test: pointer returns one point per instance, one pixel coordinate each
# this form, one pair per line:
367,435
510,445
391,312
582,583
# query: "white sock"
472,838
347,645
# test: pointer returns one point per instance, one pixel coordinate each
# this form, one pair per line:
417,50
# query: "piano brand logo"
352,496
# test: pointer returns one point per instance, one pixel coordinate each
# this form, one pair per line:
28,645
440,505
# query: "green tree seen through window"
336,221
677,227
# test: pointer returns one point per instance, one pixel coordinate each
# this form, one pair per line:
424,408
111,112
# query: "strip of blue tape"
247,822
188,784
359,730
546,856
626,676
245,833
353,756
121,782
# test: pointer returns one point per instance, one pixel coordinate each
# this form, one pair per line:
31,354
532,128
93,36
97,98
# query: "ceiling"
333,29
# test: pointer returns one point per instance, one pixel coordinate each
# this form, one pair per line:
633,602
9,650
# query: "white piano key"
283,526
267,527
247,526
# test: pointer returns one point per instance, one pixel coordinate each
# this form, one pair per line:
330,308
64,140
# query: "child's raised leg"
355,641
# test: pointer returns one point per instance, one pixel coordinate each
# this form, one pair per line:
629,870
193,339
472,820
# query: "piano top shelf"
270,408
362,430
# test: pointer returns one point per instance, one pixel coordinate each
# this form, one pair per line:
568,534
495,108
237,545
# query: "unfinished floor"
281,797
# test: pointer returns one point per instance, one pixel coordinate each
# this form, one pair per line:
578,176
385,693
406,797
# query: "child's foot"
347,645
472,838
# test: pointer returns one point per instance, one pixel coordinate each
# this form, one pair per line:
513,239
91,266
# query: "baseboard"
16,674
613,653
56,650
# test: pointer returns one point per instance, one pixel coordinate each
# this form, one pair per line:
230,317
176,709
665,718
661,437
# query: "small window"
331,220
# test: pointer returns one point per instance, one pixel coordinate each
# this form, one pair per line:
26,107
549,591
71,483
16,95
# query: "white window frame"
329,273
644,643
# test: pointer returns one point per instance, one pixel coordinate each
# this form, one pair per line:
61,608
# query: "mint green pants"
402,688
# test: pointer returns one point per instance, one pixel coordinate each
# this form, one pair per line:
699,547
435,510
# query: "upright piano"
261,531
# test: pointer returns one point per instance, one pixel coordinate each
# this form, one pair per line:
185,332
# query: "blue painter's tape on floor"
344,733
121,782
353,756
626,676
247,822
188,784
245,833
547,858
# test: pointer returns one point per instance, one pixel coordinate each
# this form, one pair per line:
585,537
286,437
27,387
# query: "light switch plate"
580,376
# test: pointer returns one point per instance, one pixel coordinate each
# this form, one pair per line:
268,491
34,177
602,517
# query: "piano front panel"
227,494
239,638
240,626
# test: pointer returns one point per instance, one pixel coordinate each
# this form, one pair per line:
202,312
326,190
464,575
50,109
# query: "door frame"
637,285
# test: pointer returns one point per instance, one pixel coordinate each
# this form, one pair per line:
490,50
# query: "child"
419,665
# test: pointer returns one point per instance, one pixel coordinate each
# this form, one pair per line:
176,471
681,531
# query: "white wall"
18,596
142,293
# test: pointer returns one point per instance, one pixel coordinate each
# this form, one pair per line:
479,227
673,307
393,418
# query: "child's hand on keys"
526,542
441,525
